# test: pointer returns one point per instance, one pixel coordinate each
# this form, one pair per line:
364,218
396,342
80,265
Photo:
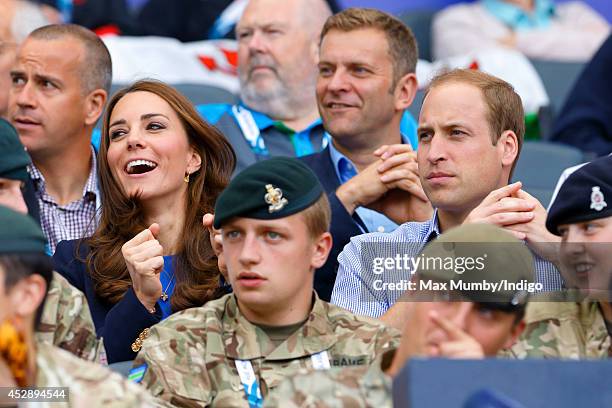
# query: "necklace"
164,295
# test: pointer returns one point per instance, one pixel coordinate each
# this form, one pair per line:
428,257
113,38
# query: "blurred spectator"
540,29
186,20
17,19
586,119
13,174
59,88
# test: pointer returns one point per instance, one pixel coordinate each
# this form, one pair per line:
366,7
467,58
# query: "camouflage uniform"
90,385
66,321
339,387
564,330
191,356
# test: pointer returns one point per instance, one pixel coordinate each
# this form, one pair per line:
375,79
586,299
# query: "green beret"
19,233
476,255
269,189
13,157
584,196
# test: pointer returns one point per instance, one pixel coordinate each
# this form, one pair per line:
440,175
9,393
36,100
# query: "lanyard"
250,384
252,134
320,361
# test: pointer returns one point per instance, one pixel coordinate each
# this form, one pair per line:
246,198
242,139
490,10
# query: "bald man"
277,68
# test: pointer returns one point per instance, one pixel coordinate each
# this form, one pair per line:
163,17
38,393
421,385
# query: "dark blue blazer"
119,324
586,119
30,199
343,225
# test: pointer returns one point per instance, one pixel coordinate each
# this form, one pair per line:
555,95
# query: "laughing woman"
161,169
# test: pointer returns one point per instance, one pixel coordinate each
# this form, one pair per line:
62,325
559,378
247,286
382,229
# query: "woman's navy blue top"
120,323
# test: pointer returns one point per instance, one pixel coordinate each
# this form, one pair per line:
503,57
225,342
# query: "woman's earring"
186,178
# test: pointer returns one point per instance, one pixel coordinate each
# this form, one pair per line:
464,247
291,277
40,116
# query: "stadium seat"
197,93
497,383
558,79
419,22
540,165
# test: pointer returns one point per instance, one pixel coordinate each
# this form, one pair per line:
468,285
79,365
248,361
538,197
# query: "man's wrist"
346,194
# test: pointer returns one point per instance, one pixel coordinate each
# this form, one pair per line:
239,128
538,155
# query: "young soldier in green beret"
25,273
274,220
66,321
580,326
468,322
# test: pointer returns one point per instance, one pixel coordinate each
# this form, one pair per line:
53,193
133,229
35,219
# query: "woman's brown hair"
195,265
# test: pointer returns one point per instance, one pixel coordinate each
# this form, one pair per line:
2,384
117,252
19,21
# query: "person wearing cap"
66,320
25,274
13,171
274,220
468,322
580,325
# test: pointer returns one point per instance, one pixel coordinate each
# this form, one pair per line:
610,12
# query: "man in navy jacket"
586,119
366,81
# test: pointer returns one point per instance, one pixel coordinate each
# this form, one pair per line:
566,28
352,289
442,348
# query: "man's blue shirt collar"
344,168
263,121
517,18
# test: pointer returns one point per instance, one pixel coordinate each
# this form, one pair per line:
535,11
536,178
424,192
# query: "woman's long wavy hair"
196,272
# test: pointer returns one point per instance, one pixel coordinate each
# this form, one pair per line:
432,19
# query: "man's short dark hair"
96,69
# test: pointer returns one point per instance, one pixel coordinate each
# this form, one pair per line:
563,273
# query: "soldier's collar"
241,341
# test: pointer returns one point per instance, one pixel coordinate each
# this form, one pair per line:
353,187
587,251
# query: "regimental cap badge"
274,197
597,199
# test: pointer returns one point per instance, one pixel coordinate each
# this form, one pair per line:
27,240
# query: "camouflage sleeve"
388,338
174,365
66,321
116,393
552,332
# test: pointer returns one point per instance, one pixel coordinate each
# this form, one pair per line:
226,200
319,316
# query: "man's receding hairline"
81,53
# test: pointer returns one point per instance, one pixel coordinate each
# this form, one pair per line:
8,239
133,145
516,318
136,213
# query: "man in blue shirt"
471,129
366,80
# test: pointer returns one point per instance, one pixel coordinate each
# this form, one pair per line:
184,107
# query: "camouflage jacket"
336,388
90,385
563,330
191,356
66,321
